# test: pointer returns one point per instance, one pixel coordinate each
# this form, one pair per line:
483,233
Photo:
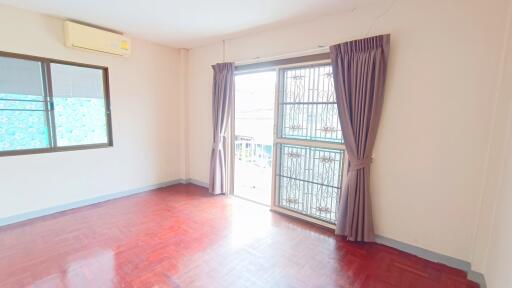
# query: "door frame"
277,141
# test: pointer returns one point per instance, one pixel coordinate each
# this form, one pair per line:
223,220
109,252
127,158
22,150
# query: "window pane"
309,180
308,105
79,103
23,119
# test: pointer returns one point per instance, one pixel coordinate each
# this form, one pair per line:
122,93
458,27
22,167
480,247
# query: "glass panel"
309,180
254,132
79,103
308,105
23,115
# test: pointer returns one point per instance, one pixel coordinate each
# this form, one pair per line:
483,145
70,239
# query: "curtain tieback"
360,163
219,143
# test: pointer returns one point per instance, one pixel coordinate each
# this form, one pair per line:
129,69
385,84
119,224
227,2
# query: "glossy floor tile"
181,237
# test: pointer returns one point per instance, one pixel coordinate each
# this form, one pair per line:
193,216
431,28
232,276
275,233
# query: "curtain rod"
268,64
319,50
258,59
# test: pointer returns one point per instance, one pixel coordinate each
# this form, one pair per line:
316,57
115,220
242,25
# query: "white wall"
199,114
492,253
498,252
431,147
145,103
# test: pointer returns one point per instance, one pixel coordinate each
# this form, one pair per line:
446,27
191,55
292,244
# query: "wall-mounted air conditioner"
94,39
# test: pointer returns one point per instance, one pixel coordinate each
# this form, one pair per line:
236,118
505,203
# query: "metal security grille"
310,150
309,180
308,105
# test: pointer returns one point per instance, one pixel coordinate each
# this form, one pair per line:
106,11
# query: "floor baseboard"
434,257
478,278
195,182
81,203
424,253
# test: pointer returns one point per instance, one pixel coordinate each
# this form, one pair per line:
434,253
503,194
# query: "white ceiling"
186,23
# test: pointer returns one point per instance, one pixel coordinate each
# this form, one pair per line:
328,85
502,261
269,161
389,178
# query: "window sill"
54,149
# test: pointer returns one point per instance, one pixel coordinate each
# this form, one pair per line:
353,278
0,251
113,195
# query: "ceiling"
186,23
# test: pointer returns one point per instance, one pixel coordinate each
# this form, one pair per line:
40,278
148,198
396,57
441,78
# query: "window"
308,104
49,105
79,105
23,115
309,161
310,151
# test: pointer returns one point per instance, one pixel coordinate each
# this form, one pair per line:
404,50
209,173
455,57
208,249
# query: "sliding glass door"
290,156
309,144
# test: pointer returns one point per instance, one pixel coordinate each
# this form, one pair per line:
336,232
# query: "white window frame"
278,141
307,143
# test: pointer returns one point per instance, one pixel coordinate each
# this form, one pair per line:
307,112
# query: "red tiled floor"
181,237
